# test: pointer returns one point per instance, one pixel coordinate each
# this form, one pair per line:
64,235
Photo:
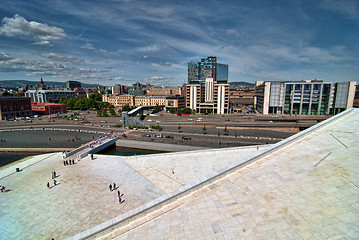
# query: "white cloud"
62,57
347,7
88,46
19,26
4,57
149,48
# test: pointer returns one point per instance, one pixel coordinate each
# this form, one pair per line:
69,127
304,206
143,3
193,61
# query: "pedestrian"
73,161
70,161
91,156
64,163
54,174
67,162
119,200
110,187
114,186
48,185
119,193
55,182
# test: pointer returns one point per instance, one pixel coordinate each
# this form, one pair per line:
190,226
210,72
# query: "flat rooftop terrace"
305,187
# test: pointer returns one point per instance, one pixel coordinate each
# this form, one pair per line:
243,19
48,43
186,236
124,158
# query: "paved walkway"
82,199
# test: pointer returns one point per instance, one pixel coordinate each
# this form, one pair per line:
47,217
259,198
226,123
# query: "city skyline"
123,42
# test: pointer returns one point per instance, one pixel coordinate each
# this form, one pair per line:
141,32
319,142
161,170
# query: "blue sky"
128,41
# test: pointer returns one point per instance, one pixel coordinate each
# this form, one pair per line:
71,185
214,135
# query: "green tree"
126,108
204,129
157,108
112,112
172,110
96,96
186,110
225,130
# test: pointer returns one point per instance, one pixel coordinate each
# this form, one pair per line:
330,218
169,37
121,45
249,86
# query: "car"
104,121
149,120
186,138
85,122
28,121
159,135
146,135
190,119
169,136
158,121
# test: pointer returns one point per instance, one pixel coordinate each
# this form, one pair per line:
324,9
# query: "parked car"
159,135
169,136
186,138
146,135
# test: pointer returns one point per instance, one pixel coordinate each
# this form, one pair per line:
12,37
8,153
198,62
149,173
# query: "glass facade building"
311,97
208,67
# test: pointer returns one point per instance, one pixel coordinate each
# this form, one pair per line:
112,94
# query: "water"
121,151
7,158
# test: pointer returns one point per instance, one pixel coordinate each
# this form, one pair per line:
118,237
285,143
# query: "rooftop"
305,187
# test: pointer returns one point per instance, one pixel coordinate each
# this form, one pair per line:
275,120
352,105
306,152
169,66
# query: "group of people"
114,187
53,176
69,162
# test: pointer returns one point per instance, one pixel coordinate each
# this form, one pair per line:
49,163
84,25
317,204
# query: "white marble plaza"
305,187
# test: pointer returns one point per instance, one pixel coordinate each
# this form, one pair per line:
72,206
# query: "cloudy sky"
151,41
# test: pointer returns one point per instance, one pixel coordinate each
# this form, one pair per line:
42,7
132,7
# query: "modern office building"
208,67
12,107
49,95
309,97
207,89
209,98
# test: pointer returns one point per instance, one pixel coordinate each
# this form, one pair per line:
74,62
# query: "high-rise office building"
207,89
309,97
208,67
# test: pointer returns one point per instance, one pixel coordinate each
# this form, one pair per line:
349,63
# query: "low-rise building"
48,108
164,91
149,100
119,100
49,95
12,107
175,101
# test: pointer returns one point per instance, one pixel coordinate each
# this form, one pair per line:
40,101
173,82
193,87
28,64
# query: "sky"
111,42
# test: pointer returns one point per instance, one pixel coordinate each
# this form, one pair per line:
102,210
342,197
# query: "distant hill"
242,84
22,83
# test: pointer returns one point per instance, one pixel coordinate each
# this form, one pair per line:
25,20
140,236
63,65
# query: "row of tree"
94,101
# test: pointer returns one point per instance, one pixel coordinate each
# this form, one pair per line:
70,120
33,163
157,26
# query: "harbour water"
12,157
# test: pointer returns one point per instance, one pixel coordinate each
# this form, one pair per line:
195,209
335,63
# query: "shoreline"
32,150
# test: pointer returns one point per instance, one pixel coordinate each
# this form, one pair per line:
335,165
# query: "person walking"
118,193
55,182
114,186
48,185
110,187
